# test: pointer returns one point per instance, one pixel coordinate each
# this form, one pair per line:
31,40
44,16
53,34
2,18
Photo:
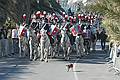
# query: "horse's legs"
20,48
42,52
26,51
77,50
68,53
38,48
23,50
35,52
81,50
46,55
64,52
31,54
58,49
49,51
31,51
53,51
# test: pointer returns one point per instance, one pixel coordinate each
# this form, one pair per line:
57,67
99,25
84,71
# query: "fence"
114,58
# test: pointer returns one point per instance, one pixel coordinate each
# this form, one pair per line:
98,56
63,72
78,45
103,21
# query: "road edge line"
74,69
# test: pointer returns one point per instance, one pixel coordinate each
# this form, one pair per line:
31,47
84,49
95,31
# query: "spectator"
98,35
93,40
103,37
93,37
3,42
15,41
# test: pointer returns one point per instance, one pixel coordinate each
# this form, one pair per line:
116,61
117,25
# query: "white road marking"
74,69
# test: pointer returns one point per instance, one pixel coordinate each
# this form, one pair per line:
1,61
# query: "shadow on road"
97,57
78,71
94,57
12,68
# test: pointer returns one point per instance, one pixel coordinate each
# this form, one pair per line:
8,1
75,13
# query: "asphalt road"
90,67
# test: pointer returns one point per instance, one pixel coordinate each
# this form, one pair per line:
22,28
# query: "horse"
34,39
65,44
79,45
55,45
44,45
33,45
23,41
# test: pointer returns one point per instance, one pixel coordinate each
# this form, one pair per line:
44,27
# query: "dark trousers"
103,42
72,39
15,45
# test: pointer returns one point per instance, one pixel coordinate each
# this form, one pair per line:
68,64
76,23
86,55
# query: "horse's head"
33,24
63,33
43,32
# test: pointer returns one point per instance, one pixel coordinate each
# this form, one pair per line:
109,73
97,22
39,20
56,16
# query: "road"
90,67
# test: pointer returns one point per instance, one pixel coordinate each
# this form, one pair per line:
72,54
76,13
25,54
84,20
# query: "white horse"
44,45
79,45
65,44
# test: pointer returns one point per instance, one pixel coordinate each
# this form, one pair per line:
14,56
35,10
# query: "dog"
69,66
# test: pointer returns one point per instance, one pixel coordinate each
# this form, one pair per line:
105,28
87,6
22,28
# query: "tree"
111,11
16,8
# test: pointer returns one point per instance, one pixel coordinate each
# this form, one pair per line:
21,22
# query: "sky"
74,1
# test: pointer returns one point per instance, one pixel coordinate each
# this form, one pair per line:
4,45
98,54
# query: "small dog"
69,66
